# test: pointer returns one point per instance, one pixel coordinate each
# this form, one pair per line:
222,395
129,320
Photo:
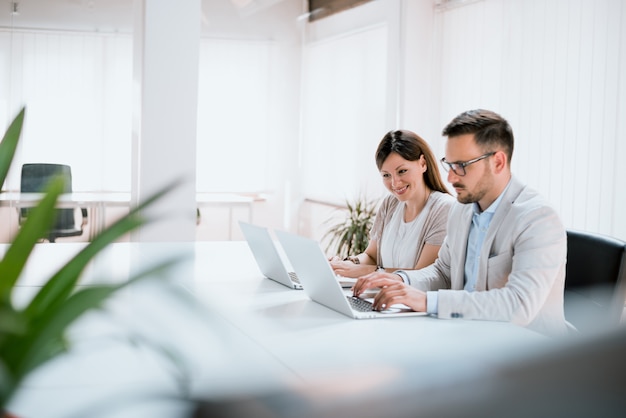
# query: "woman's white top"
400,243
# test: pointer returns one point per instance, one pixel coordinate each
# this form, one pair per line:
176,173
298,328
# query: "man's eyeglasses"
458,167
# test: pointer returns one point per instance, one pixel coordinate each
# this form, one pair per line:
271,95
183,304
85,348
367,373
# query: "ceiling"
114,15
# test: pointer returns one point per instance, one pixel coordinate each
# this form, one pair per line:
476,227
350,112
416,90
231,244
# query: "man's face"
478,181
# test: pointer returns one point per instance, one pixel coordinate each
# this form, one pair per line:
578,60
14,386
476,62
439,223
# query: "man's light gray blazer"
521,274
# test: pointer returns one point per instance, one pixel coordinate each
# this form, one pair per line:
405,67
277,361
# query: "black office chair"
595,280
35,178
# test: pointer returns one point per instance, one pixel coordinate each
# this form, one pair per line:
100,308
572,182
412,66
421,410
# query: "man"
504,254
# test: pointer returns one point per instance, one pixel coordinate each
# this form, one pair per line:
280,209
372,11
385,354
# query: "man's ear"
500,161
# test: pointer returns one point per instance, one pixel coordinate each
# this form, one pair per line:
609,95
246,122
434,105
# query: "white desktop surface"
235,333
98,202
24,199
95,202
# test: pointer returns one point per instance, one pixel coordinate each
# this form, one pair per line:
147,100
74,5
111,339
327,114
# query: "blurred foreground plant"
34,334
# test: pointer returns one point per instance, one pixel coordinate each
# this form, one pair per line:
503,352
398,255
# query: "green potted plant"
32,335
350,236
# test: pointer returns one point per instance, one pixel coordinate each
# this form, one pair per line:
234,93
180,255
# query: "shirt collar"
492,208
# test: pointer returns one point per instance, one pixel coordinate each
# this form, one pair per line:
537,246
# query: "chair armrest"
85,214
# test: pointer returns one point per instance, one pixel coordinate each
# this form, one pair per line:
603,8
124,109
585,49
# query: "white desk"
97,202
237,333
231,201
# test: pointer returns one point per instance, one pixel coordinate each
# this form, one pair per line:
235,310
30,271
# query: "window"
344,113
78,91
233,116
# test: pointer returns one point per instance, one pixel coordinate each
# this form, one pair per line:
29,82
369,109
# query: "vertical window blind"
78,91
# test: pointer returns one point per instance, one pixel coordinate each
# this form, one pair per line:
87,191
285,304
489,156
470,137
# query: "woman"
410,224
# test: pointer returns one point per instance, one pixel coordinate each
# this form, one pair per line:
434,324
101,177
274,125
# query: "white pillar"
165,83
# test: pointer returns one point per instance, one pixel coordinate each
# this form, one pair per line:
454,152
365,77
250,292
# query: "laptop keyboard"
294,278
359,304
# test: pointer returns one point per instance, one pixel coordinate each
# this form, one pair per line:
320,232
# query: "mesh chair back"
35,178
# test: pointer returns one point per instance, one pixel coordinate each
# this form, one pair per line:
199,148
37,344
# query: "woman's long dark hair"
411,147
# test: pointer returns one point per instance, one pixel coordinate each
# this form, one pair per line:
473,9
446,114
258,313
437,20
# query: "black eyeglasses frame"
454,166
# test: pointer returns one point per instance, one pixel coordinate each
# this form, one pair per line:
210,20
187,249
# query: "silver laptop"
267,256
321,285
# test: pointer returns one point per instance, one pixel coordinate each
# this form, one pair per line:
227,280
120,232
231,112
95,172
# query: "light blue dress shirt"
477,233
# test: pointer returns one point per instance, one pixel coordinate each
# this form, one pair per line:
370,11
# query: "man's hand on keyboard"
392,291
374,280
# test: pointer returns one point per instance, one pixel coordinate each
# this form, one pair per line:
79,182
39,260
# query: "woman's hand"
349,269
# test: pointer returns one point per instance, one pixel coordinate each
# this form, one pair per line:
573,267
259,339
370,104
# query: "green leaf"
9,144
39,220
46,333
57,289
351,235
7,383
11,322
36,334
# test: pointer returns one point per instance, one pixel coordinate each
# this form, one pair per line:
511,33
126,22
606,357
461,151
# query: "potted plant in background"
350,236
32,335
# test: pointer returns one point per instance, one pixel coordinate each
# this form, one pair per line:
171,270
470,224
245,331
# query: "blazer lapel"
515,188
457,278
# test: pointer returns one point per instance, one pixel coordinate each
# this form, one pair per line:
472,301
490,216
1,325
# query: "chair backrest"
595,280
35,177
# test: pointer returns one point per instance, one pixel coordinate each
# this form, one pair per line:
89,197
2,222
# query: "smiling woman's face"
402,177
